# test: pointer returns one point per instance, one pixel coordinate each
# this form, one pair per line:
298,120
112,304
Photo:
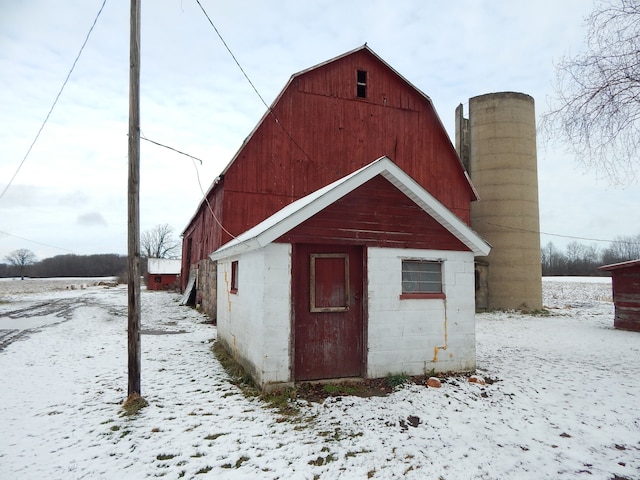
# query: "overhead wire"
35,241
142,137
539,232
269,109
46,119
55,101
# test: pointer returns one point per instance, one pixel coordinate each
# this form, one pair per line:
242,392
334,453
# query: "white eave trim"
297,212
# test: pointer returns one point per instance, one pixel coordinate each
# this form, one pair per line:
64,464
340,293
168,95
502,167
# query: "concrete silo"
497,145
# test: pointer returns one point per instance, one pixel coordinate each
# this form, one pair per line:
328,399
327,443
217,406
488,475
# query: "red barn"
353,172
163,273
329,121
625,280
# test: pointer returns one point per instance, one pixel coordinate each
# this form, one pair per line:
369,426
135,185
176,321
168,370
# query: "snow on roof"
163,266
616,266
297,212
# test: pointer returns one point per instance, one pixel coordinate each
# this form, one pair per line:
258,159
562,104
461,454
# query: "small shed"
163,273
367,276
625,281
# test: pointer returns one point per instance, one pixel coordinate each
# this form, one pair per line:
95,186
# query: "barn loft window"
421,279
234,277
361,84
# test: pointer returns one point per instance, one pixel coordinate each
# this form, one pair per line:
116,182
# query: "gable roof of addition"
301,210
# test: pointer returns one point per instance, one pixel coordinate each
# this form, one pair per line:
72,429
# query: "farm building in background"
163,274
338,242
625,281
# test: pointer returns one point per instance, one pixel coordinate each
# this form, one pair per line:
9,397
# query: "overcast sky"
70,196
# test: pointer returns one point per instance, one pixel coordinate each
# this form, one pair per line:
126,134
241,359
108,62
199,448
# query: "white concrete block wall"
408,336
256,321
276,366
239,314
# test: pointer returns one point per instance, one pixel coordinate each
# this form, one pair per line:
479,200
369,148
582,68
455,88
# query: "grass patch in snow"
165,456
281,400
133,404
398,379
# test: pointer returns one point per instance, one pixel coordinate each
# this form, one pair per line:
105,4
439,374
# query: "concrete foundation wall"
503,168
207,287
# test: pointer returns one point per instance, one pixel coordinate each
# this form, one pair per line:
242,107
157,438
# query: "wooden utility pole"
133,259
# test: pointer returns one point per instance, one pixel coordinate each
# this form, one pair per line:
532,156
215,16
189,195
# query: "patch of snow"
560,401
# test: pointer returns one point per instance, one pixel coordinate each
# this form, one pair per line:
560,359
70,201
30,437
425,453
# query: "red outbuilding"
163,274
625,279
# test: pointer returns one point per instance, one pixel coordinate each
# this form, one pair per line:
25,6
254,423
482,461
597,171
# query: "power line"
269,109
170,148
557,234
54,102
35,241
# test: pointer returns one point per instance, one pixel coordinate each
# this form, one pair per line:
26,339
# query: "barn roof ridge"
268,112
299,211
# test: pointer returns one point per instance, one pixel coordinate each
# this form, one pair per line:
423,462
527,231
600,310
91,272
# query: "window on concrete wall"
361,84
421,279
234,276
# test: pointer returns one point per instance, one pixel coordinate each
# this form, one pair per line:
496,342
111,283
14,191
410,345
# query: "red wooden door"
328,286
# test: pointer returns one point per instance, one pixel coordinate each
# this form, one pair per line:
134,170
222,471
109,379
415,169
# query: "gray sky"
71,192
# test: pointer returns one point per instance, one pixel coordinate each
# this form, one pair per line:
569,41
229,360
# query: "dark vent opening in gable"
361,84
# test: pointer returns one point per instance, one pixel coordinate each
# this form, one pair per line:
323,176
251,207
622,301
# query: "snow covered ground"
564,402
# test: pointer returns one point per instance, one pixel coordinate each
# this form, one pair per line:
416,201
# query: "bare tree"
622,249
597,106
21,259
159,242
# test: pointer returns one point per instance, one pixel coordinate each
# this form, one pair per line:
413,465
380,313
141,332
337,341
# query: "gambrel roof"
218,181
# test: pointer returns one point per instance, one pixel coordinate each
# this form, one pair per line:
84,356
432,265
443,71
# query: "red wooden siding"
375,214
162,281
329,134
626,297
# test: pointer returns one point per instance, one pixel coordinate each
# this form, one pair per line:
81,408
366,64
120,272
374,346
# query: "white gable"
297,212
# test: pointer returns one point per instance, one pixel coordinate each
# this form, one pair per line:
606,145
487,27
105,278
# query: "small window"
361,84
421,279
234,277
157,279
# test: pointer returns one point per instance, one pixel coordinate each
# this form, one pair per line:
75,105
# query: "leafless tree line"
580,259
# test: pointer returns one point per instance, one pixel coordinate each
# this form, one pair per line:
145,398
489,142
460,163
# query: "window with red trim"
421,279
234,276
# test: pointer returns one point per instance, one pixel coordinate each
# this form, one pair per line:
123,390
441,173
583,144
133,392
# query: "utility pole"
133,258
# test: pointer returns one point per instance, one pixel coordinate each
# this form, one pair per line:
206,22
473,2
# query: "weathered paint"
625,281
437,349
328,314
335,134
162,281
375,214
